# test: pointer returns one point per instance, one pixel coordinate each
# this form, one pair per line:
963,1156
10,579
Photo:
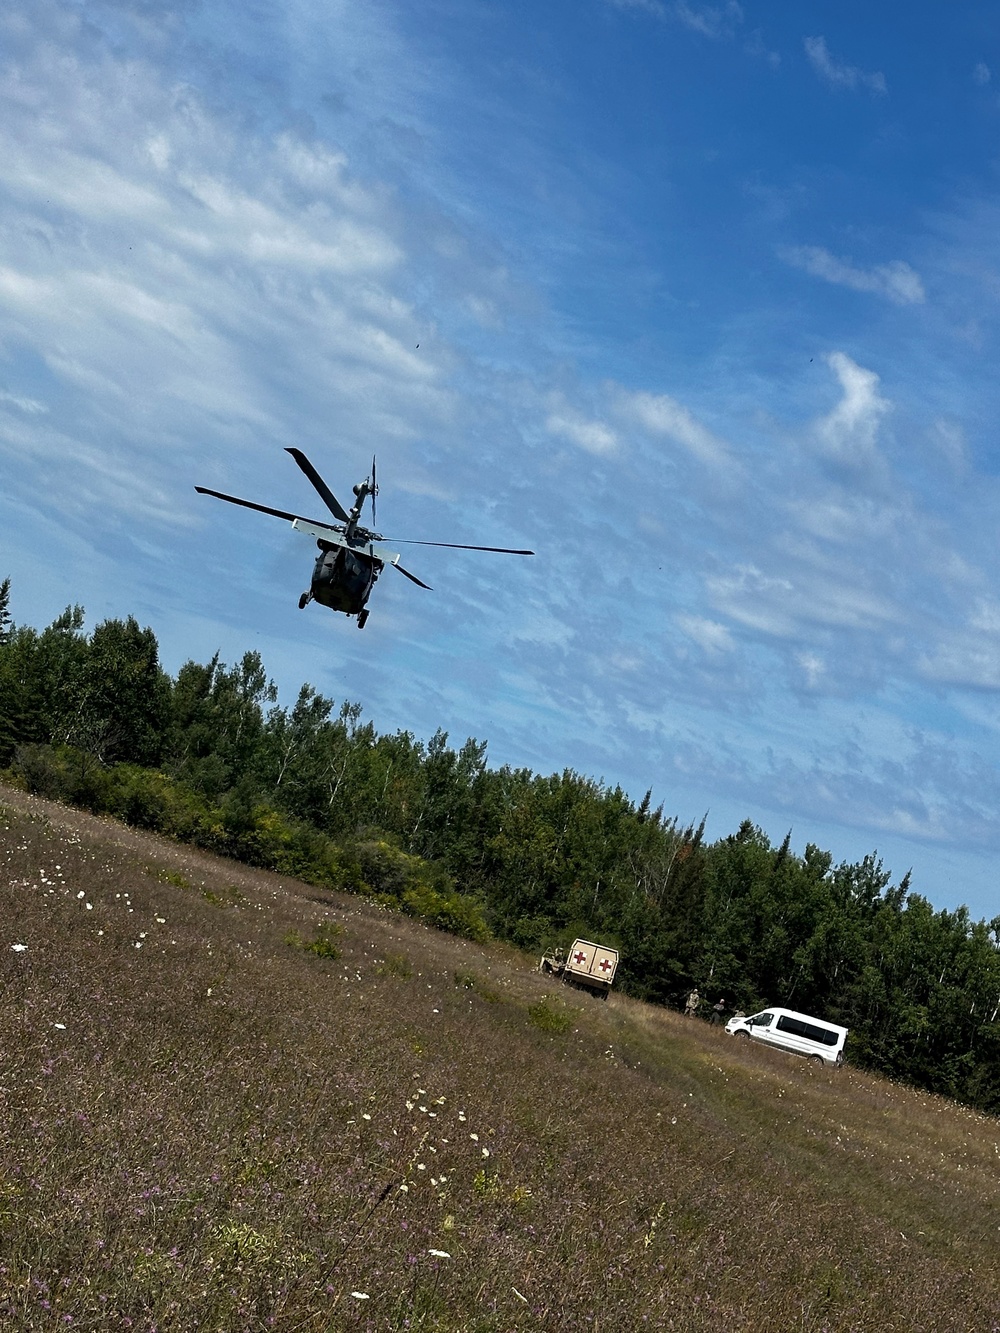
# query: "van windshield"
761,1020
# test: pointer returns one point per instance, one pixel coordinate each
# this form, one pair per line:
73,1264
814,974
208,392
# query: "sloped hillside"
229,1101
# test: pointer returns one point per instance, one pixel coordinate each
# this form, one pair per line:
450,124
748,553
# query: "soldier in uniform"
693,1001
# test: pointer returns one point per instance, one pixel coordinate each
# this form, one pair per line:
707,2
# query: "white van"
793,1032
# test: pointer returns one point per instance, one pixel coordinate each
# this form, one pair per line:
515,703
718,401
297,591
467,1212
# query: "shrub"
470,981
395,965
323,942
37,769
543,1016
453,912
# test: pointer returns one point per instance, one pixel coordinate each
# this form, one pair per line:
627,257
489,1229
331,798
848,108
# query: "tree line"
210,756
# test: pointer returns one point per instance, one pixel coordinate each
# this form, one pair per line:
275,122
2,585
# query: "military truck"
588,965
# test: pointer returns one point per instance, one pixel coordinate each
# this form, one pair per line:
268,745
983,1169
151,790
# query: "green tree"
119,697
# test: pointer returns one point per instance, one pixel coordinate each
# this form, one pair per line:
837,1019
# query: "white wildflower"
474,1138
19,948
360,1295
60,1026
439,1254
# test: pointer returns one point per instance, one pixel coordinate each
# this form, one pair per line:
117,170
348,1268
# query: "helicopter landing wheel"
304,600
362,617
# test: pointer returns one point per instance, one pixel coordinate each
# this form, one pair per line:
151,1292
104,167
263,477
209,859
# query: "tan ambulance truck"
587,964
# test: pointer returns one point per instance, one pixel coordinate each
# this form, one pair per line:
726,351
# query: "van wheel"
743,1033
816,1059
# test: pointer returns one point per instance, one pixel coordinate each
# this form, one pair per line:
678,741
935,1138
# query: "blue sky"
698,301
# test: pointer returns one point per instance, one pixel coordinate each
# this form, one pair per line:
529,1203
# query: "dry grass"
204,1126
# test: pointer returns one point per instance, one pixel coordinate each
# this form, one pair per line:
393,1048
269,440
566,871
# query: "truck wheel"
743,1033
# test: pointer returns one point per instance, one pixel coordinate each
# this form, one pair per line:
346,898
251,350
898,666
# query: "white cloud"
28,405
593,436
813,668
981,74
969,656
896,281
709,635
665,416
849,433
710,21
841,76
650,6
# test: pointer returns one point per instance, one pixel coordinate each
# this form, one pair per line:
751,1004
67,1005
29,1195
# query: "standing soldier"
718,1010
693,1001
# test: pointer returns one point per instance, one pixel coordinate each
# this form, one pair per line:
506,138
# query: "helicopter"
351,557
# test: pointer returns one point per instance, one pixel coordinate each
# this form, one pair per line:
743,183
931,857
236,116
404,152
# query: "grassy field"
229,1102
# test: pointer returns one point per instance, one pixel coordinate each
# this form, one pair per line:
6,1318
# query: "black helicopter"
350,557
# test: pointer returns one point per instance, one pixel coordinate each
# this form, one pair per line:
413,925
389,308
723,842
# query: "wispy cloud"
28,405
840,75
585,432
661,415
896,280
713,638
711,21
981,74
650,6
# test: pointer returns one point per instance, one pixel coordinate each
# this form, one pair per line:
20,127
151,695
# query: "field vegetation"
234,1101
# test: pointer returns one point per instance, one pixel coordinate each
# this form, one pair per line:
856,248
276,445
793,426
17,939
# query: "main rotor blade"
458,546
328,497
374,491
412,577
247,504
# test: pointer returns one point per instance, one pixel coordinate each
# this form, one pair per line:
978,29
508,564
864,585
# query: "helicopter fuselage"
343,578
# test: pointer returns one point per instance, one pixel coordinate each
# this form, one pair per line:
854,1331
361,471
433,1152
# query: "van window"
798,1028
761,1020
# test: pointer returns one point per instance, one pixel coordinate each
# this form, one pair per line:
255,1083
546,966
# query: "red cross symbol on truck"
605,964
579,956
